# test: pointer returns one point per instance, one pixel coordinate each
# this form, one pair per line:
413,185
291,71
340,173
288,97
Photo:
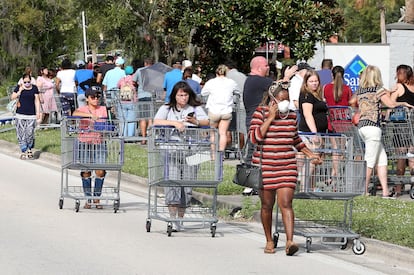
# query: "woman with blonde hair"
220,92
369,97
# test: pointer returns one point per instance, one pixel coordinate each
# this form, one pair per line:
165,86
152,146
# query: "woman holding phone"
182,111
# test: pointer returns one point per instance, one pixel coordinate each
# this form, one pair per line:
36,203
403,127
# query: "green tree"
362,19
233,28
34,33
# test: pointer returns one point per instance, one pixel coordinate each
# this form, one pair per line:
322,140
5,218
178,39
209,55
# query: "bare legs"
223,126
143,125
284,201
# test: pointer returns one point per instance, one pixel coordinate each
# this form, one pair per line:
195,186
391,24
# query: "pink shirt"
93,131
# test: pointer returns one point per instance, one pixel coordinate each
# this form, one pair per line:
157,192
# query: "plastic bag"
12,105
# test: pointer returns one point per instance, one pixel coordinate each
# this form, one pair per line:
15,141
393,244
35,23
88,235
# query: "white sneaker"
410,155
176,227
247,191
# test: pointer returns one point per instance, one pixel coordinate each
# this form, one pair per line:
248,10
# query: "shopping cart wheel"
169,229
77,204
60,203
148,225
275,239
213,228
358,247
116,206
308,244
345,245
412,192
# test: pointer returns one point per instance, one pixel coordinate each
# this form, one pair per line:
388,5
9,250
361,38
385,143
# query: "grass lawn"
373,217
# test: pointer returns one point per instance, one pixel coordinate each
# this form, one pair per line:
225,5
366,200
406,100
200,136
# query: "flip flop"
291,248
269,248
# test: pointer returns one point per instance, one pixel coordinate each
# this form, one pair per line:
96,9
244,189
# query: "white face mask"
283,106
27,85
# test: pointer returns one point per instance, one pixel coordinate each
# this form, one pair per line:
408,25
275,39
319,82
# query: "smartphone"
190,114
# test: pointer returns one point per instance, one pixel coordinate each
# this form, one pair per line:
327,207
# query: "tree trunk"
409,11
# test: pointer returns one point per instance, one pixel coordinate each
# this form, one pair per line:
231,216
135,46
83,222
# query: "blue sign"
352,72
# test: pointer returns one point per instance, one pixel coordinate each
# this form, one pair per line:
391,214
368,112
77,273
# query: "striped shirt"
279,147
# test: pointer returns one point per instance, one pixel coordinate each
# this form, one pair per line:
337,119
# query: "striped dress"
279,166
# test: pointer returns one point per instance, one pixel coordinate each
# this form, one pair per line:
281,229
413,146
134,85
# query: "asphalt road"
39,238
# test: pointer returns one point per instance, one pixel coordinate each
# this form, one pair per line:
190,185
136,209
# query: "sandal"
269,248
29,154
23,156
291,248
98,206
87,206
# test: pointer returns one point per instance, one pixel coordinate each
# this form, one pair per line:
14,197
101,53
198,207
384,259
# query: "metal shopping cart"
130,113
6,117
90,145
339,178
233,149
398,139
340,118
178,162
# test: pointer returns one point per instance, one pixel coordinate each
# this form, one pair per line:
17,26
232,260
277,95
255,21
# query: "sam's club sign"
352,72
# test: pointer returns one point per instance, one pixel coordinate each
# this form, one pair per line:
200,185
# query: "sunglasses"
25,82
95,96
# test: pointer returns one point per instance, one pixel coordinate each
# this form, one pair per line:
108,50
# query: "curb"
138,186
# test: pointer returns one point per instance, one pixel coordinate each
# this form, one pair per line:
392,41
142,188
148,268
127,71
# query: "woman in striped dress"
275,128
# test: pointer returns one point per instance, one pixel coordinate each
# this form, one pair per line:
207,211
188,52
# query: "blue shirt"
112,77
82,75
195,86
325,75
170,79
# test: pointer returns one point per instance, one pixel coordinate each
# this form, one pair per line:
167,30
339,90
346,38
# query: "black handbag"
249,175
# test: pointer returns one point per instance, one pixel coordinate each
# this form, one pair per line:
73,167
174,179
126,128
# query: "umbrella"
153,77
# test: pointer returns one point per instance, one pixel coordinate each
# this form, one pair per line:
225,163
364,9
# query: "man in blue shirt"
81,75
171,78
112,77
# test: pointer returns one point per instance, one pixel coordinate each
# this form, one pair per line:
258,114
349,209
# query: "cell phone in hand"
190,114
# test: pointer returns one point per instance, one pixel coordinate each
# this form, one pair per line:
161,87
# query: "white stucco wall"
401,49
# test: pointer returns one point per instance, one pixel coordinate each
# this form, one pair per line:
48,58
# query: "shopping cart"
398,139
336,179
234,147
340,118
183,160
6,117
90,145
130,113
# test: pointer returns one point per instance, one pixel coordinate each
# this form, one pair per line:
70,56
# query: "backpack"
126,93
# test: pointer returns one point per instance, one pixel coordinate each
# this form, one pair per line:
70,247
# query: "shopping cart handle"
83,117
188,127
320,134
338,107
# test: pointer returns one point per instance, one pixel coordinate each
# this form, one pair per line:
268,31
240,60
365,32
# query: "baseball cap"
92,91
304,66
187,63
119,61
129,70
80,63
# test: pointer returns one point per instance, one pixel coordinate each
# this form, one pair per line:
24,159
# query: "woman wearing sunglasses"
27,112
91,147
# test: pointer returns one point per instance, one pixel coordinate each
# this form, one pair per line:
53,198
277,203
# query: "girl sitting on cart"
91,148
182,111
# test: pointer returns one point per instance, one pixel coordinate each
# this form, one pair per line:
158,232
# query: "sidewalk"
137,185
